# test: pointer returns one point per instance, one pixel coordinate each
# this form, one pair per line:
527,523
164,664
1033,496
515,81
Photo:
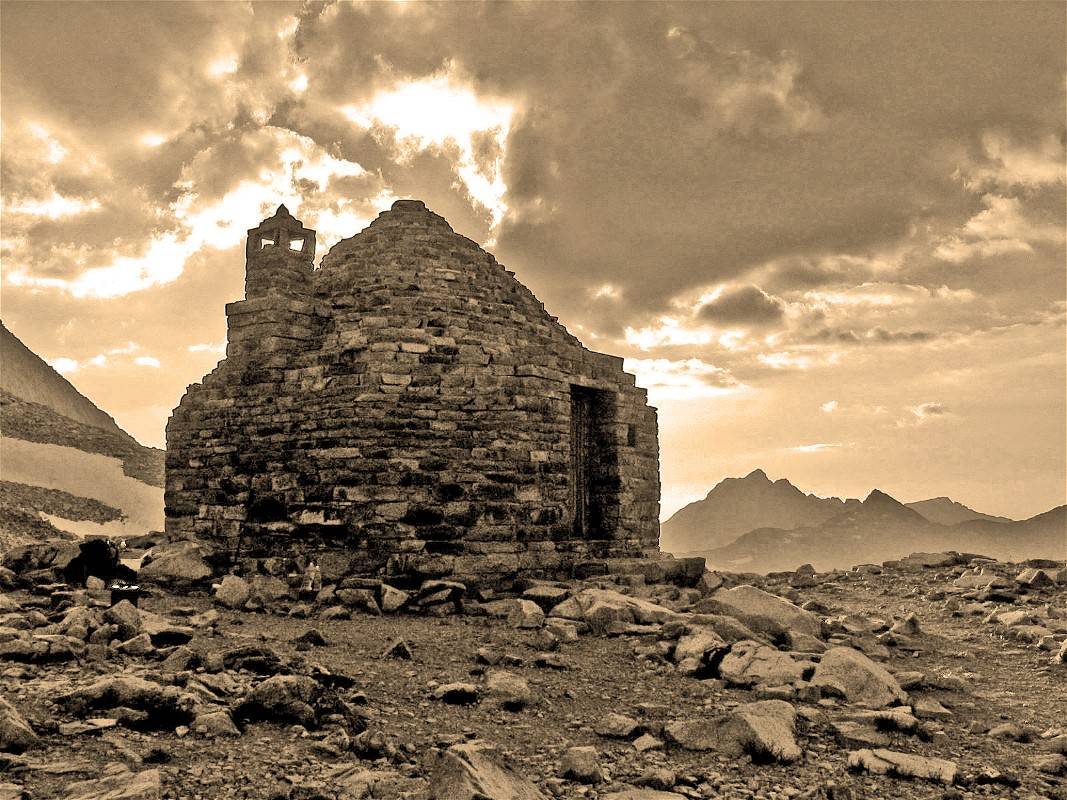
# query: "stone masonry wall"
406,409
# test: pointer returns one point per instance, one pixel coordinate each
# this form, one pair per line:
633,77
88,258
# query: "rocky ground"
936,676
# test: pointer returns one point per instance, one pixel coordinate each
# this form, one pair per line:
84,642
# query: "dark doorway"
593,461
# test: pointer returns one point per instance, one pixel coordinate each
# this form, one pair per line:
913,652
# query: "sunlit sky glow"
837,257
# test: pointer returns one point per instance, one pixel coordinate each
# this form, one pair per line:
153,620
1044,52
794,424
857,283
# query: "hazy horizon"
828,238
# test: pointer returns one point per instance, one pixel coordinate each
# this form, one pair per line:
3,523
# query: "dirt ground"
1008,682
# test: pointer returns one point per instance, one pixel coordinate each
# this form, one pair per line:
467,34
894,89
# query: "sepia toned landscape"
527,401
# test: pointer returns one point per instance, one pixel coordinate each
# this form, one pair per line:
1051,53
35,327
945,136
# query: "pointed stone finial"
282,230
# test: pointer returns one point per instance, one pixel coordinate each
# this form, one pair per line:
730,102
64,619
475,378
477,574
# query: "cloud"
116,356
922,414
440,111
682,378
819,447
1001,228
829,407
742,305
64,365
682,155
1008,163
216,348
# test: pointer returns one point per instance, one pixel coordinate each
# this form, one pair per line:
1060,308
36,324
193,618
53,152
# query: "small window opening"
631,436
296,244
266,243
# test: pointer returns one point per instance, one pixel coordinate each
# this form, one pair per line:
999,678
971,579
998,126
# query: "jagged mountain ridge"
882,529
736,506
945,511
66,467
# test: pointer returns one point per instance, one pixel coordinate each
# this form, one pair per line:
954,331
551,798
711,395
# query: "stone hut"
409,409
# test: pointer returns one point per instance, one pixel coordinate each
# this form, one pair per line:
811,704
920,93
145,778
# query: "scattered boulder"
126,619
902,765
763,612
763,730
398,648
392,599
850,674
16,734
920,561
510,691
519,613
233,592
473,771
116,782
581,764
750,663
174,564
162,631
1035,579
215,723
310,638
617,726
850,733
601,608
547,596
697,645
457,694
256,658
266,590
282,698
139,645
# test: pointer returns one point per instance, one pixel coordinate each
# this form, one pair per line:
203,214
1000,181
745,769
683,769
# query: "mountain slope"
738,505
945,511
66,467
882,528
27,376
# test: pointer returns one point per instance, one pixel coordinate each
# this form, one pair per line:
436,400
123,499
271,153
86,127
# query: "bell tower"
279,255
276,314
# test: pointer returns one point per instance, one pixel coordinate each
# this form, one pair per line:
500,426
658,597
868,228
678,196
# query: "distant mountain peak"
738,505
946,511
878,497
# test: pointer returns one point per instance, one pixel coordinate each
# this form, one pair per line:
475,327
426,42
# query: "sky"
828,238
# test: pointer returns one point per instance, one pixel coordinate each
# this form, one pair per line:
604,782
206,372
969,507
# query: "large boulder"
848,673
166,706
233,592
282,698
696,649
601,608
751,663
903,765
763,730
126,618
175,564
116,782
16,734
520,613
761,611
510,691
473,771
162,631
